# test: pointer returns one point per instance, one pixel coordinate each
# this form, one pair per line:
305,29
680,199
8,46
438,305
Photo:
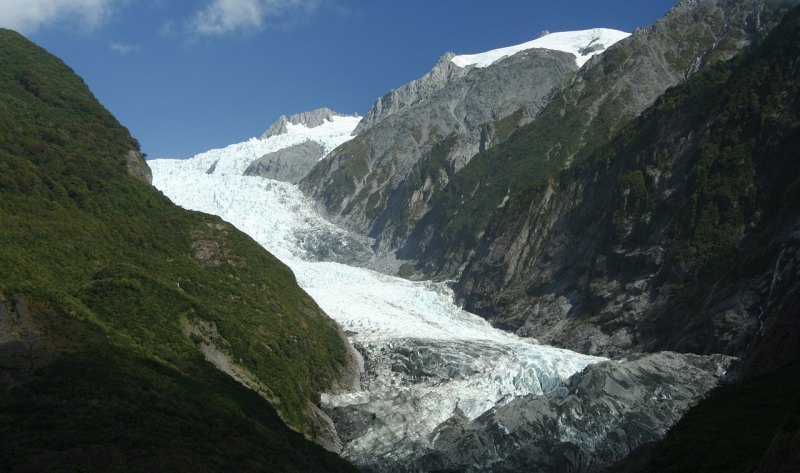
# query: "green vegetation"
114,276
744,116
756,127
110,408
635,190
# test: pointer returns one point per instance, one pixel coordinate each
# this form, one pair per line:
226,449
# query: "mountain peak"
311,119
446,57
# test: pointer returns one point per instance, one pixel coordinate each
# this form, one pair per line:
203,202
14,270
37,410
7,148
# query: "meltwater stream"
427,360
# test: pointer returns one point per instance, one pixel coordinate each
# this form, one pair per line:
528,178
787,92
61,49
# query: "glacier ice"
426,359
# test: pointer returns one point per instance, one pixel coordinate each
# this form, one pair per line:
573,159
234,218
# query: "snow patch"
582,44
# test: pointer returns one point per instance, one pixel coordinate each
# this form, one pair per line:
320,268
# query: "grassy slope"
111,272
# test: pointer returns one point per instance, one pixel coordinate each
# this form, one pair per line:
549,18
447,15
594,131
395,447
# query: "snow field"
239,155
568,41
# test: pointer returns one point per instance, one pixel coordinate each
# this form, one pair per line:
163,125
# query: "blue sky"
187,76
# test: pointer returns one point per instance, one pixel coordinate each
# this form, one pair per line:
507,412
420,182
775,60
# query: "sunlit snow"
427,358
239,155
583,44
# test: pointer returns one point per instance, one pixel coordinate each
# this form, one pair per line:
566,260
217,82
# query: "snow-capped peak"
310,119
234,159
582,44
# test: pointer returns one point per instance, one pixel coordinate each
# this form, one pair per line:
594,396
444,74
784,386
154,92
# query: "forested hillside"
118,310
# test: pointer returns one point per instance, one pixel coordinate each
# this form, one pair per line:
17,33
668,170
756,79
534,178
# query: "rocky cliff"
412,93
602,98
377,182
295,145
670,236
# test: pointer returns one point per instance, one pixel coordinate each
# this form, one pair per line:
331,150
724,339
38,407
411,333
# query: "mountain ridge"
362,183
602,295
602,98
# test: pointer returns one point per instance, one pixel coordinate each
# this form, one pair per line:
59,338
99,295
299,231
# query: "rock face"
778,339
374,183
289,164
293,153
597,417
403,179
450,68
602,98
669,237
524,225
137,167
412,93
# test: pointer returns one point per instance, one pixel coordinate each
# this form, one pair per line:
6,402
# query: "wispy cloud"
167,28
123,48
27,16
221,17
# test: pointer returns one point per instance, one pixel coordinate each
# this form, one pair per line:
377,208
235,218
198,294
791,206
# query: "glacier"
426,359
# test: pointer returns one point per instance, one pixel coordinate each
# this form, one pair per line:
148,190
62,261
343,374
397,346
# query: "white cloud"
167,28
27,16
123,48
221,17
